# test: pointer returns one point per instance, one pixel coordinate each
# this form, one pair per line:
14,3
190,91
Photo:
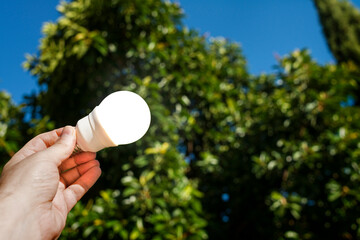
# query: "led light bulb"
121,118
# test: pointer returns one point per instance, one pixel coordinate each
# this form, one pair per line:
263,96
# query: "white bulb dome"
125,117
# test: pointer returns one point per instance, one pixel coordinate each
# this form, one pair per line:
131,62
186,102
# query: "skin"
41,183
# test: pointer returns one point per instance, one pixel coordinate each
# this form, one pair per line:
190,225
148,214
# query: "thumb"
63,147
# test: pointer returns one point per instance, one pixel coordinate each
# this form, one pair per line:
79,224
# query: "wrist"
16,220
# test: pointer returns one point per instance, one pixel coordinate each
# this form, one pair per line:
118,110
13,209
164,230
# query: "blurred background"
255,112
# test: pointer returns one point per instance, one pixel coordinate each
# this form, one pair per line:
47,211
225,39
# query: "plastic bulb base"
90,135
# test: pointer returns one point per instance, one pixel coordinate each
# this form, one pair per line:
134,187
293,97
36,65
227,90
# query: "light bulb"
123,117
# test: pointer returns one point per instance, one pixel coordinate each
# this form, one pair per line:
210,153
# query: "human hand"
41,183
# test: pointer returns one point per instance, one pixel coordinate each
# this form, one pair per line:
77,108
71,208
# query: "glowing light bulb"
121,118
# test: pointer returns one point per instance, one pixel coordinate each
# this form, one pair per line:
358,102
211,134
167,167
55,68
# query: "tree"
142,46
341,25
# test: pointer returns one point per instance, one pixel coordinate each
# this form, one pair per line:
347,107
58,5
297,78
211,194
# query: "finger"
70,176
62,148
76,191
76,160
37,144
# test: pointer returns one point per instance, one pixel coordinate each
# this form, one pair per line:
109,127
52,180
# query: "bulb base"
90,135
77,150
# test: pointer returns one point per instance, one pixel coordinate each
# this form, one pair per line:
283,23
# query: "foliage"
300,129
10,119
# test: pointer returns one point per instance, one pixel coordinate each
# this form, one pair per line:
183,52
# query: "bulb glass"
124,116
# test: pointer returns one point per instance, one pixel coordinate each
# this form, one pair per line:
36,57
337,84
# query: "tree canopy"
341,26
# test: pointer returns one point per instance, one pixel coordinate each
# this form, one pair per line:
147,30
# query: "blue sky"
263,28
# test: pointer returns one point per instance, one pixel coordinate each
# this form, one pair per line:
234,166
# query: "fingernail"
68,130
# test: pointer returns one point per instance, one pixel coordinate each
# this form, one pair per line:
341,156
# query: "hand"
41,183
